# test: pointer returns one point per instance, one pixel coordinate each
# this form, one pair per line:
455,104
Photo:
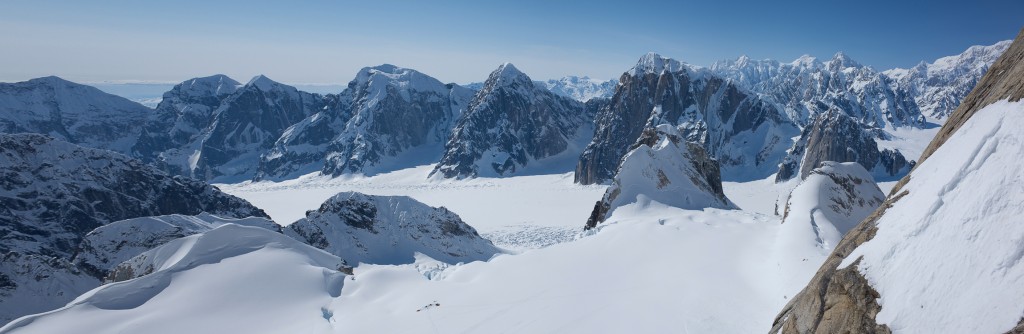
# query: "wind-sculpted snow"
109,245
273,282
947,256
833,199
746,135
515,127
52,193
666,169
361,228
388,118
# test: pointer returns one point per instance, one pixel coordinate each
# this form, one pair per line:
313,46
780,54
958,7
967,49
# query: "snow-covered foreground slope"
649,268
511,207
233,279
947,256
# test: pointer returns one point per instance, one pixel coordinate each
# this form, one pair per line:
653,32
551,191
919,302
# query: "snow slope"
947,256
823,207
109,245
246,268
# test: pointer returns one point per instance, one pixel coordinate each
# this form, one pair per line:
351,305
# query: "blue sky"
462,41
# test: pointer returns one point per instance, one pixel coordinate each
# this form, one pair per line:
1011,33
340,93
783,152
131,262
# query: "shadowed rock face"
734,126
511,125
52,193
841,300
835,136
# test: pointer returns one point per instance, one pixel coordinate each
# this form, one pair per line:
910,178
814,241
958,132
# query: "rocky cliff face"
940,86
387,119
745,134
361,228
834,136
245,126
183,114
75,113
935,210
807,87
662,166
52,193
514,127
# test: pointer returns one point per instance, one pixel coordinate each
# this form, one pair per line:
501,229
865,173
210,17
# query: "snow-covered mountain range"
107,225
939,87
582,89
388,118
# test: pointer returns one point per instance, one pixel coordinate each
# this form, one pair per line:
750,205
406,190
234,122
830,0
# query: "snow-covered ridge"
242,266
653,63
107,246
940,86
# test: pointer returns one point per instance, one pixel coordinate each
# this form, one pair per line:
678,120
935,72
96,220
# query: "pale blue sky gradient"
462,41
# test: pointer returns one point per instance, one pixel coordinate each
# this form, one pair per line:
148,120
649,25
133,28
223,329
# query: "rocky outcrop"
52,193
388,118
746,135
362,228
839,298
515,127
834,136
665,168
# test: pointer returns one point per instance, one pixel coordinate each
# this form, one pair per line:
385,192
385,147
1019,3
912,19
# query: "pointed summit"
843,60
804,61
507,74
263,83
214,85
655,63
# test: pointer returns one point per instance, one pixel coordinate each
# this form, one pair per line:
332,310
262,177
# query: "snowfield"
517,212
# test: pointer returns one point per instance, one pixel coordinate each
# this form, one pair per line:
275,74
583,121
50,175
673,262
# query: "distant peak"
843,60
507,69
386,68
51,80
215,85
262,82
655,63
804,60
507,73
